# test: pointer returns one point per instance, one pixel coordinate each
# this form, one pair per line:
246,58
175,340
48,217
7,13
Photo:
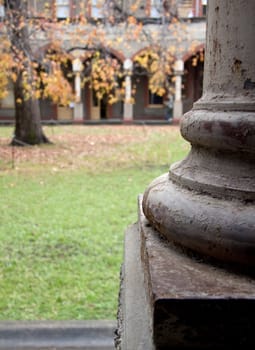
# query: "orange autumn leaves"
5,73
106,78
36,83
159,65
48,77
56,87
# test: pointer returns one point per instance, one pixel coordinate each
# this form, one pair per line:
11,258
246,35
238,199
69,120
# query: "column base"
78,112
207,201
178,110
128,112
173,300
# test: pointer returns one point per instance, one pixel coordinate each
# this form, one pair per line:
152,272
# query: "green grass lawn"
63,213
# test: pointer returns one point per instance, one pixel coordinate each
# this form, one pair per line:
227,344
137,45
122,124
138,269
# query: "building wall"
194,28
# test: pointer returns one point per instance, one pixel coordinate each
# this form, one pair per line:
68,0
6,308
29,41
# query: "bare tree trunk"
28,128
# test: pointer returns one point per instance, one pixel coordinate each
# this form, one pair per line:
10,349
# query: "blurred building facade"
187,39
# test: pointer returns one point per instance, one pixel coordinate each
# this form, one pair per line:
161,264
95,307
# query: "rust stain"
240,131
249,85
208,126
236,65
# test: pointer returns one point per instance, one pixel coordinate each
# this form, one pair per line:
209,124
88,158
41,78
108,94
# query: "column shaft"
78,105
128,106
77,84
178,106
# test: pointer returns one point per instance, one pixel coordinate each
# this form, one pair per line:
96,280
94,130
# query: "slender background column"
128,106
178,107
78,106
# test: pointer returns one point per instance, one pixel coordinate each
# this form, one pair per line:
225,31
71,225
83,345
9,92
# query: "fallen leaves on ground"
78,146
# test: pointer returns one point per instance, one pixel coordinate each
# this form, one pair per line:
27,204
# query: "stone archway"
95,104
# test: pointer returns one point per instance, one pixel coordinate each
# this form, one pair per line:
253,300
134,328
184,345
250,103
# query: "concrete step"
55,335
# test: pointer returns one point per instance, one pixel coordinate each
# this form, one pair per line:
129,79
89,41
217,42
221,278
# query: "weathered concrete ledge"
54,335
180,300
195,304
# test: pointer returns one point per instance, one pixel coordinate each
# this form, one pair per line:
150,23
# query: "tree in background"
28,128
37,75
34,75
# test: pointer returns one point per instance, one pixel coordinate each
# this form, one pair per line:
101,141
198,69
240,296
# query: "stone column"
178,107
77,87
206,201
78,105
128,105
188,273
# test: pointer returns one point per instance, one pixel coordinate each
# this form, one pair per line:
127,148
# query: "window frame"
152,8
66,6
2,11
95,9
